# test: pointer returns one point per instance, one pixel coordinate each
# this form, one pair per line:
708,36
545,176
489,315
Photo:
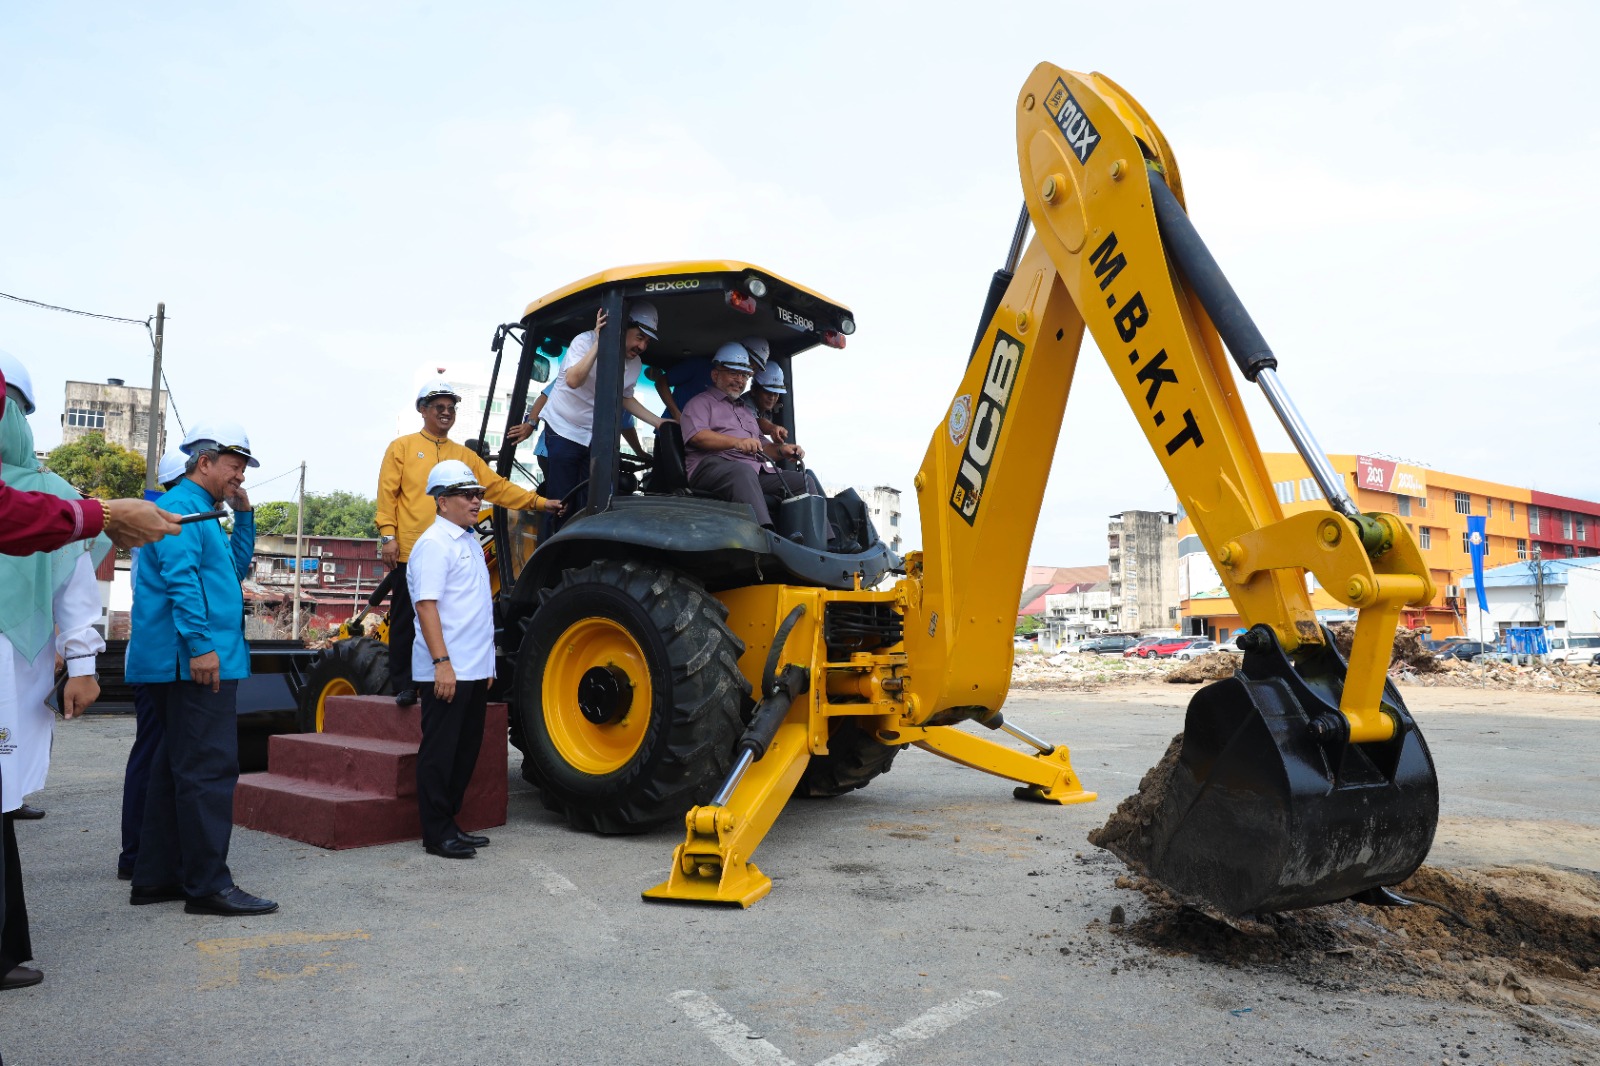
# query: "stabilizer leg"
713,865
1046,776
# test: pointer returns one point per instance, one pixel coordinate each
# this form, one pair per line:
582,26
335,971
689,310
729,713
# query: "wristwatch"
386,539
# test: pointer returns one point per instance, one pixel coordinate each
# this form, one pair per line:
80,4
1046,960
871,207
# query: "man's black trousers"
188,810
452,735
402,631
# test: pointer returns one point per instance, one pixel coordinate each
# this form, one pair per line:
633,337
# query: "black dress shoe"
32,814
143,894
474,841
406,697
231,902
454,848
20,977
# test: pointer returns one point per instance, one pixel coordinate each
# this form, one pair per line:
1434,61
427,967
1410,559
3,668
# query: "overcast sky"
330,195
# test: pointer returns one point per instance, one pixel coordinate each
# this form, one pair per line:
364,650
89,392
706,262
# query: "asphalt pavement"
929,918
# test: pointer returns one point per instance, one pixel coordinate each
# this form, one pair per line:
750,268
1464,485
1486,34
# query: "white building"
1571,592
883,507
1083,610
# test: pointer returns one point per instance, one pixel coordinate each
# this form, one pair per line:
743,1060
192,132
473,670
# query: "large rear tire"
355,667
628,696
853,760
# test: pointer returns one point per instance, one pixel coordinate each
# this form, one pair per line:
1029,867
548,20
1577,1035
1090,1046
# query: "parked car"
1231,645
1113,644
1573,649
1143,648
1468,650
1170,646
1596,660
1202,647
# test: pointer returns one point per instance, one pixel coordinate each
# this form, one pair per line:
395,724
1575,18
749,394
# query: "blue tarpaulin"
1528,640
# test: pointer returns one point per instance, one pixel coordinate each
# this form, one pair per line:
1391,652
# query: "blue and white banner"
1478,541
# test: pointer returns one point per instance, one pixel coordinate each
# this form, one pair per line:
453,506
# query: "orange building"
1432,503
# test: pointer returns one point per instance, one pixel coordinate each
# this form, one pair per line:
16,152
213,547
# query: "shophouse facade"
1434,505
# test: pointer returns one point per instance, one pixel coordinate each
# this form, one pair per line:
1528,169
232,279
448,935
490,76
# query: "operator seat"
668,472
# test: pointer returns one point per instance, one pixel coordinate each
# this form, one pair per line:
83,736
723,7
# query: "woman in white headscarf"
50,604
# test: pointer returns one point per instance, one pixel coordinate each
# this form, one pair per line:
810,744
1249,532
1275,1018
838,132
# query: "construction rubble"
1411,663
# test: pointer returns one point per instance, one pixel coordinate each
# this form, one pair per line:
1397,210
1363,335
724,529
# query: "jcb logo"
984,436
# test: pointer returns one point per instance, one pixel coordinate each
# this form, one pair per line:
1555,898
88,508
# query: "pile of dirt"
1522,937
1408,654
1082,671
1126,834
1212,666
1553,677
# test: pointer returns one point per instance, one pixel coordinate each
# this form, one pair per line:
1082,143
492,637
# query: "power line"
145,322
72,311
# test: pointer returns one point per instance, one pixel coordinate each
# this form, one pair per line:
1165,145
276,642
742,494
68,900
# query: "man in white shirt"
569,414
453,663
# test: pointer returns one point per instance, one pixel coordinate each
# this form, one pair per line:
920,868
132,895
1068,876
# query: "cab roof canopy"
703,304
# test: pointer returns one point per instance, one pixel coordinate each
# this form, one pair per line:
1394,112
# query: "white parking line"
929,1023
595,919
728,1033
747,1049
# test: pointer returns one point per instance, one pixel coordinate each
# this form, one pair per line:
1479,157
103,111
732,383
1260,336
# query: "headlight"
755,287
847,325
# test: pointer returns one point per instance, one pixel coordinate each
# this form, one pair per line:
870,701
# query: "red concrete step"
355,784
380,767
325,815
378,717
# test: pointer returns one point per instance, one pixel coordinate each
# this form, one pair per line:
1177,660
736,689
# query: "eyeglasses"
443,408
469,494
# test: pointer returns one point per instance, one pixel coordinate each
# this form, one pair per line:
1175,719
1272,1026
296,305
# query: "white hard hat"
771,379
437,387
734,356
17,377
450,476
171,466
641,313
227,436
759,351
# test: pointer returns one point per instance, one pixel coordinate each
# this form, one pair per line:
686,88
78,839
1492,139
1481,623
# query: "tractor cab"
641,507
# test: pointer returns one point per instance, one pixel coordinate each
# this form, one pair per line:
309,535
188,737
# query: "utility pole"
1538,583
152,450
299,529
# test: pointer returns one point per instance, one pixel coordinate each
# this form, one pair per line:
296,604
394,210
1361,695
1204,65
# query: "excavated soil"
1212,666
1124,833
1524,938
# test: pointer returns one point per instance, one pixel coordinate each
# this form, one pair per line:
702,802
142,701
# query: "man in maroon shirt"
723,446
36,521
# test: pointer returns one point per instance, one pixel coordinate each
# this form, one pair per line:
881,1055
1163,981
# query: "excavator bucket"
1266,808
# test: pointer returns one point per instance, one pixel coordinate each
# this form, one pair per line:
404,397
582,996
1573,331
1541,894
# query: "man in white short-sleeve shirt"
569,413
453,663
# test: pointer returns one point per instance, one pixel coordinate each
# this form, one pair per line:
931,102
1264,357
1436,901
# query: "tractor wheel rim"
597,696
337,687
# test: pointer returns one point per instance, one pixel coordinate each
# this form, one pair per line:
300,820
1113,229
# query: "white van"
1574,647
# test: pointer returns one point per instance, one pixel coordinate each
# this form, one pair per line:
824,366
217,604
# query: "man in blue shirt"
187,645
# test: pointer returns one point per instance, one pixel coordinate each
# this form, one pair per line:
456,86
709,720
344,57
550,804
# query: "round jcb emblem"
1477,538
960,419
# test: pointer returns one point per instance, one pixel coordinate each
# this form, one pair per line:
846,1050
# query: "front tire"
628,696
355,667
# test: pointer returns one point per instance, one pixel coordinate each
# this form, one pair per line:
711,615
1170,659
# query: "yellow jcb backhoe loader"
1301,780
666,657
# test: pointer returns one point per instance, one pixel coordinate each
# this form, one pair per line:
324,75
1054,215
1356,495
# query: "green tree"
1028,625
328,514
94,465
